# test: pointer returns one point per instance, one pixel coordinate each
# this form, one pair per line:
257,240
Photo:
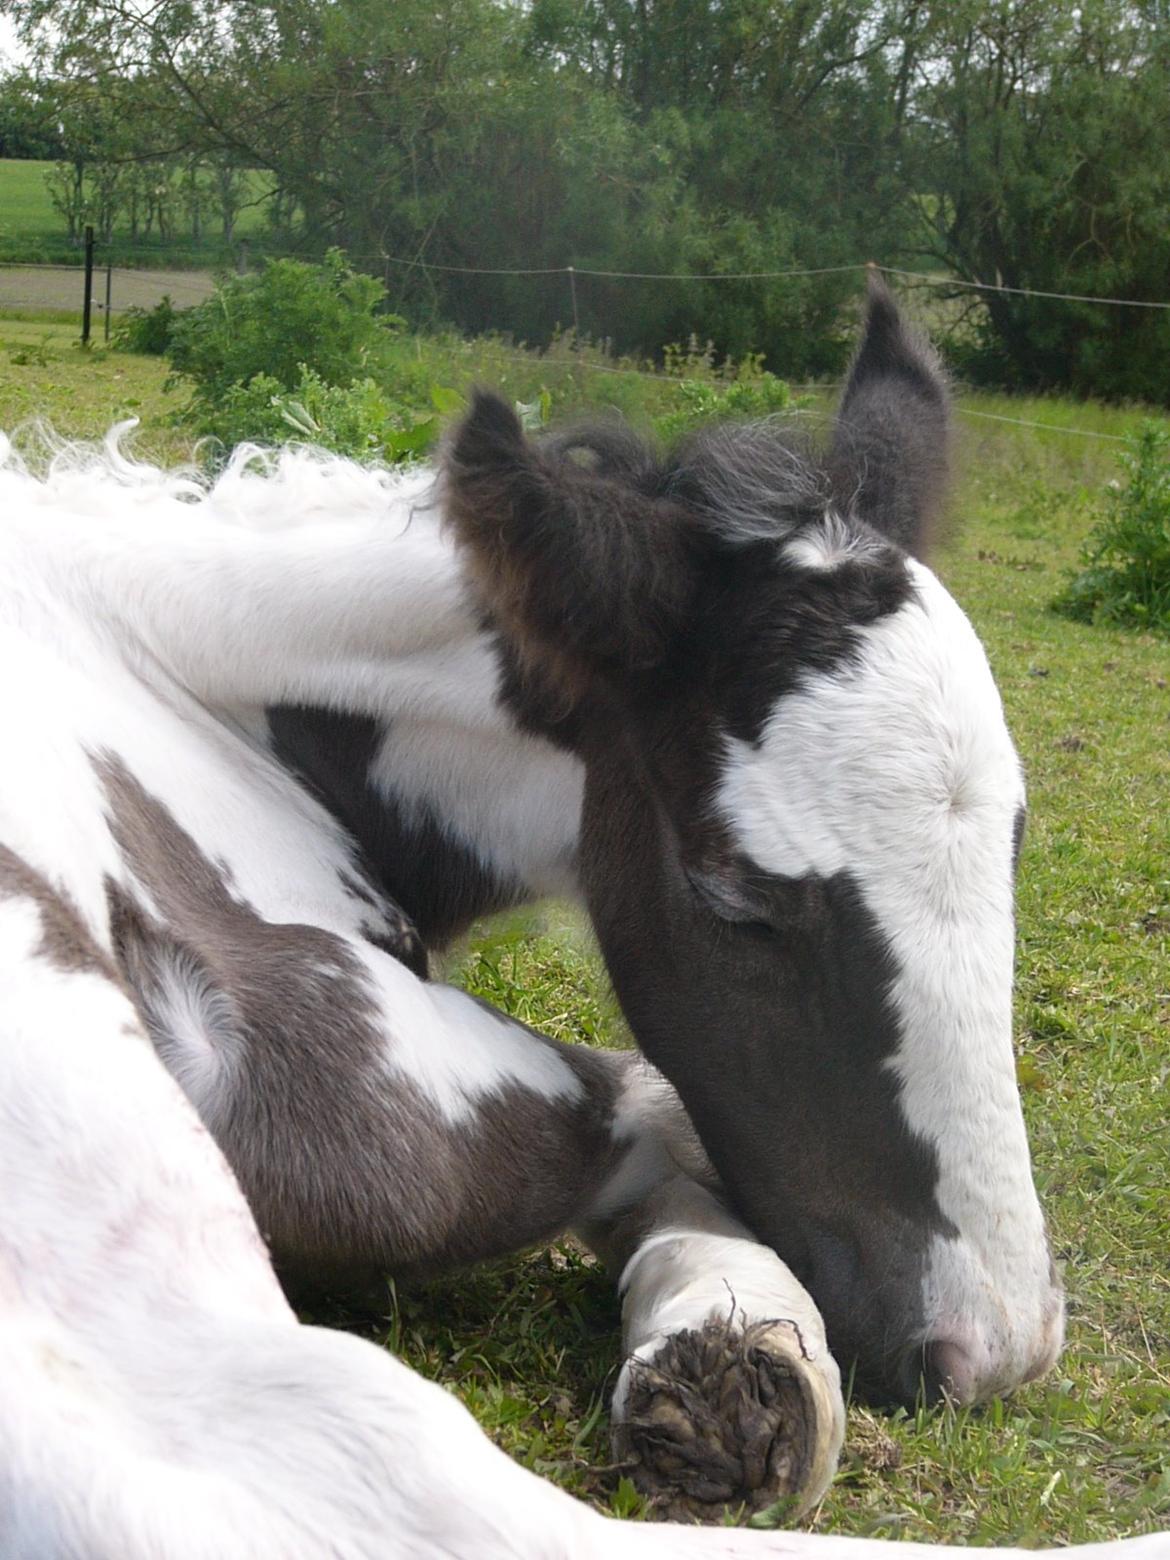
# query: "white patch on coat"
159,1397
651,1124
196,1031
512,800
456,1052
215,601
831,542
899,771
200,589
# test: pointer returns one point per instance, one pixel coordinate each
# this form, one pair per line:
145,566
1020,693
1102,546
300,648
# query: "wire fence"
1026,422
60,289
195,281
57,287
858,266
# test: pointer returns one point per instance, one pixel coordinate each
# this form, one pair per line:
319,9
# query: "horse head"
801,819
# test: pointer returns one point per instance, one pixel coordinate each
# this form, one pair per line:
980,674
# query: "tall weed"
360,419
1126,578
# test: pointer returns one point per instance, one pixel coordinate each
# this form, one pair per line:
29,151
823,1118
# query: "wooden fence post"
573,292
87,304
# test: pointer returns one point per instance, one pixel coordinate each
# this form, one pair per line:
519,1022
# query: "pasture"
33,231
528,1344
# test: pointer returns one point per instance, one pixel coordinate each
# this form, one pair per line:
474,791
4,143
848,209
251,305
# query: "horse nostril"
949,1370
936,1369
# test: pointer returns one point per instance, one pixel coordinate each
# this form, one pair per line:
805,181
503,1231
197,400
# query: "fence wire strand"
924,278
1023,292
1024,422
189,286
927,278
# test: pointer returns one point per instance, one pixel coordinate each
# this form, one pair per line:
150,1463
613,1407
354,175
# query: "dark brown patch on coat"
441,885
613,572
586,568
65,941
346,1165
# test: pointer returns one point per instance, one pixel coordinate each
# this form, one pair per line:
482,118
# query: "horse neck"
457,812
329,596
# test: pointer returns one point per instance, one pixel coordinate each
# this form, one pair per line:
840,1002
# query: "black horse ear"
585,571
890,453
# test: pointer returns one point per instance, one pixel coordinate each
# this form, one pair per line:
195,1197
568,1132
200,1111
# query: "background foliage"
1017,142
305,350
1126,556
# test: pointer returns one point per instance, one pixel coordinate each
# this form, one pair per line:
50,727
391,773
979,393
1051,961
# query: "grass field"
26,212
531,1344
32,231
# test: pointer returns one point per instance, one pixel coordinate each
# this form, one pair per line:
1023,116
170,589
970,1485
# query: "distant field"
25,208
32,231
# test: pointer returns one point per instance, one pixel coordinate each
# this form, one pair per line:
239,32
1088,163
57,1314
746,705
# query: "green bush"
1126,578
359,419
147,331
298,350
278,321
752,392
301,351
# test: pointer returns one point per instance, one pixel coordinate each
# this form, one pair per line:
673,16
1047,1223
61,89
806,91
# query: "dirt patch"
35,287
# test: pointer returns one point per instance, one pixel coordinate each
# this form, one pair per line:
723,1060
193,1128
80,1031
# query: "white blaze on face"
898,770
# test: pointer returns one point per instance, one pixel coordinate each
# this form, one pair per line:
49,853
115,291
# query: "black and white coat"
268,741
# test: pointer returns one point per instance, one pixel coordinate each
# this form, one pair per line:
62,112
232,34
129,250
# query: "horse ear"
586,572
889,458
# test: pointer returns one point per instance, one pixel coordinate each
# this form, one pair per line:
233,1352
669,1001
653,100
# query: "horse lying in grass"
270,741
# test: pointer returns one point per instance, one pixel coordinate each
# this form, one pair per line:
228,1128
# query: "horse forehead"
899,741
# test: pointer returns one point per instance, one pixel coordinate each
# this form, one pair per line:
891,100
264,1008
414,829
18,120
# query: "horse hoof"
727,1415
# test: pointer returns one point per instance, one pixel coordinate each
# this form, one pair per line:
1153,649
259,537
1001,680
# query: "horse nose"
949,1370
966,1366
960,1370
938,1368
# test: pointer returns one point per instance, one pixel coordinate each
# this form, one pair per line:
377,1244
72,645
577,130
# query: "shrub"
299,350
752,392
1126,578
278,321
147,331
359,419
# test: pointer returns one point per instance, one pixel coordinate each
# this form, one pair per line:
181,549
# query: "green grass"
531,1344
32,231
45,374
26,213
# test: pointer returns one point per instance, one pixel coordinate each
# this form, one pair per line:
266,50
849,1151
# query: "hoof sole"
726,1415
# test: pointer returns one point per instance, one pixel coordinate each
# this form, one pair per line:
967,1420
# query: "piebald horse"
271,740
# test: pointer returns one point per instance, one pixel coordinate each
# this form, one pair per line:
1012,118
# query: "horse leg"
381,1123
159,1396
728,1392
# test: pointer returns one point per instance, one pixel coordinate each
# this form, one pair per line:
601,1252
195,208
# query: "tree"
1021,143
87,183
28,127
1043,139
